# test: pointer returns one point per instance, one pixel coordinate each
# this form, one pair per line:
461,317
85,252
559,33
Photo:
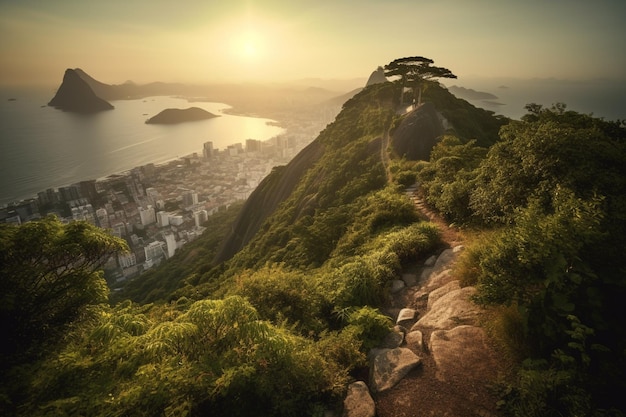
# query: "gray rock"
397,285
441,291
430,261
394,338
450,310
415,340
438,279
425,275
390,366
406,314
461,353
409,279
444,260
358,401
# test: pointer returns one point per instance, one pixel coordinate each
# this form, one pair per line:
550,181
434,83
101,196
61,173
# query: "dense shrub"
281,295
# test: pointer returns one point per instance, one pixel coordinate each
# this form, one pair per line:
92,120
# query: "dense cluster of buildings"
159,208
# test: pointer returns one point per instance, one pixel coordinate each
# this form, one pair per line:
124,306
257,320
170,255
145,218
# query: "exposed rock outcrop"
450,310
377,77
75,95
418,132
458,362
463,352
175,116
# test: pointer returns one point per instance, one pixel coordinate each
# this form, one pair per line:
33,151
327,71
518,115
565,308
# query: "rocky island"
174,116
75,95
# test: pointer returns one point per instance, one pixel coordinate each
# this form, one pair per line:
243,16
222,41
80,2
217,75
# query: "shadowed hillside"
272,191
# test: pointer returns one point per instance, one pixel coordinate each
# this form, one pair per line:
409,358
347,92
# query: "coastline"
56,131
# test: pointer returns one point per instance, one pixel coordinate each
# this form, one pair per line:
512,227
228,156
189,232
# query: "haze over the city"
279,40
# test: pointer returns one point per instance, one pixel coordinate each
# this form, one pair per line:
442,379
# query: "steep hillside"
272,191
466,121
344,162
341,165
283,323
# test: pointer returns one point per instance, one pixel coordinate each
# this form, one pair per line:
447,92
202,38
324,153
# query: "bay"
599,97
42,147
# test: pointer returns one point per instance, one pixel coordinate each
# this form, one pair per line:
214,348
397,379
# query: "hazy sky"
209,41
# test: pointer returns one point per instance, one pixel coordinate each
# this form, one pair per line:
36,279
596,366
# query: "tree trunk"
419,97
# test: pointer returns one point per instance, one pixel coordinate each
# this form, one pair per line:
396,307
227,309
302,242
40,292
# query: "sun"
249,46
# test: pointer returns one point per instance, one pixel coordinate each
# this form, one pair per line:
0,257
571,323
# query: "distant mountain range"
469,94
82,93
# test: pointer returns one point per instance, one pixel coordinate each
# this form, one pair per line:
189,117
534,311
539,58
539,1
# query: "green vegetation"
277,330
283,326
415,71
50,282
551,195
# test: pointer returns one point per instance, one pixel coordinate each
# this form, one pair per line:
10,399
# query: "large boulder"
450,310
461,353
389,366
441,291
358,401
418,132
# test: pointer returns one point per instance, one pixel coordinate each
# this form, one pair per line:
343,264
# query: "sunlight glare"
249,46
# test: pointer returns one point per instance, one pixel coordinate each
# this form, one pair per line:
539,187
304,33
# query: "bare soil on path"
423,392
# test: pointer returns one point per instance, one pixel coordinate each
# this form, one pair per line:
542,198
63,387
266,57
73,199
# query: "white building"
154,250
103,218
170,241
147,215
200,217
163,218
84,212
152,194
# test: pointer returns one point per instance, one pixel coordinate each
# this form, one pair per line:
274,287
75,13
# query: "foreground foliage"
50,281
554,191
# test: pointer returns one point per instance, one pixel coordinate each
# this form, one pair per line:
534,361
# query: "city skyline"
255,41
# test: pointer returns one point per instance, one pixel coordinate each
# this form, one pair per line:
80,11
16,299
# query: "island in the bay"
174,116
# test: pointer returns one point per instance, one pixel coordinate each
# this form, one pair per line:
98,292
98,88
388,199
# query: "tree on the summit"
414,72
49,275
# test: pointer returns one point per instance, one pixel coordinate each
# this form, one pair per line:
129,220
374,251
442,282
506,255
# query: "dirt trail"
421,392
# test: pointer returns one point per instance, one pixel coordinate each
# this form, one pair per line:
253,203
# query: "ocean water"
42,147
602,98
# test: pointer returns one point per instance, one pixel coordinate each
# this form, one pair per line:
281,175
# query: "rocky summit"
75,95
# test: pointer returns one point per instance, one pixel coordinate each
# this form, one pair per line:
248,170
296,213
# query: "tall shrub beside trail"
556,187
